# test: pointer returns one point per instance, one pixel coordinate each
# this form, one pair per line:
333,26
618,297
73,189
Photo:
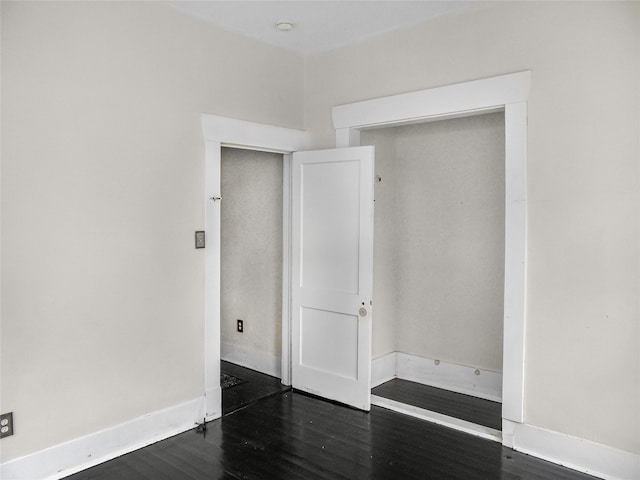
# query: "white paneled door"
332,273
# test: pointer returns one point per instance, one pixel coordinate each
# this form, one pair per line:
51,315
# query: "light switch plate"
200,239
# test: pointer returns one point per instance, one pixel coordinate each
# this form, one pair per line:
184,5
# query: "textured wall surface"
251,252
440,217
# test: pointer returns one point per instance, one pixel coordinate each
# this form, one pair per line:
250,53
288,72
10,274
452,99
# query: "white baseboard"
449,376
434,417
383,369
85,452
250,358
578,454
457,378
572,452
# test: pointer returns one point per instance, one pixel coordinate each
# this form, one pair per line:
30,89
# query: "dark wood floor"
472,409
256,386
294,436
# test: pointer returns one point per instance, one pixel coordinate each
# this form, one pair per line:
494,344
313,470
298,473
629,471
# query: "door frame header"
451,100
231,132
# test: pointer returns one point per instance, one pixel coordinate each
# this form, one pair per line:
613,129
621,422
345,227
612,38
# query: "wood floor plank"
256,387
465,407
294,436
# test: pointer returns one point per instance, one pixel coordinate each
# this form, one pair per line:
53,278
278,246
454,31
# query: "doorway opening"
251,262
439,269
222,132
251,259
505,92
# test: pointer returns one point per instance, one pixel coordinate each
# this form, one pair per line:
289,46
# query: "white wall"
103,182
102,190
443,265
582,364
251,259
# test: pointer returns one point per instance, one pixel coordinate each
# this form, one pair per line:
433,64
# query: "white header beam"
253,136
470,96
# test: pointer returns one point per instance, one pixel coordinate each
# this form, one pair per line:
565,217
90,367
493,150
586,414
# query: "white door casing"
222,131
509,92
332,273
218,132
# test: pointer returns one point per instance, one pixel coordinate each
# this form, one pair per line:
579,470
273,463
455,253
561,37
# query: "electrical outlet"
240,326
6,424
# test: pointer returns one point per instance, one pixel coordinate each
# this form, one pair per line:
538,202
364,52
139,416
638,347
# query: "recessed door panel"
329,342
330,225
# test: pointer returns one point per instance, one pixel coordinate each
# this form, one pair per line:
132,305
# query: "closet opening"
251,265
439,270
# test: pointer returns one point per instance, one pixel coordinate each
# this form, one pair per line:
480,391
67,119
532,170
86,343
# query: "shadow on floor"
242,386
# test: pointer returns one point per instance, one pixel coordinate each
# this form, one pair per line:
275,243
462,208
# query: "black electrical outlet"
240,326
6,424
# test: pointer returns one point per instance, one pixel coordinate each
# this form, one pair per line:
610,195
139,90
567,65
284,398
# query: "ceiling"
318,25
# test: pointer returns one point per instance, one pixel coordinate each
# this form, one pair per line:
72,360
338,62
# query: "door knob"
362,312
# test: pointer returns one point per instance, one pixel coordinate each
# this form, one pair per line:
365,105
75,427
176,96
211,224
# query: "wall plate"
200,239
6,424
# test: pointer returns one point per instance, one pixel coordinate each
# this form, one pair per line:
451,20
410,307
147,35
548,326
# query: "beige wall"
102,190
582,364
440,213
251,258
103,180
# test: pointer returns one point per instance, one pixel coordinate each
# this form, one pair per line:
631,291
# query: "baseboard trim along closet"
90,450
383,369
437,373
